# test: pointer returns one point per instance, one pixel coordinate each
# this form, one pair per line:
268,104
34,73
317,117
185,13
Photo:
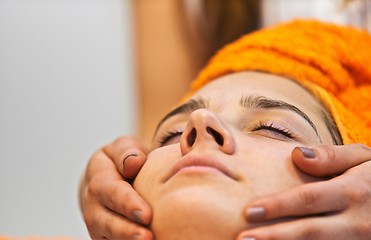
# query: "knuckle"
94,186
119,199
103,224
91,166
363,229
91,224
309,198
93,157
327,152
120,140
125,232
107,229
360,194
115,194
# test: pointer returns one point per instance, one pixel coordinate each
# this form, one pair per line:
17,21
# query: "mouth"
204,163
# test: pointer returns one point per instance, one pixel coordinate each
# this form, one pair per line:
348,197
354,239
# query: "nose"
204,129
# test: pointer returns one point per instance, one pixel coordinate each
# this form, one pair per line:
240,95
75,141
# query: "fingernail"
255,214
130,155
307,152
127,156
248,238
137,216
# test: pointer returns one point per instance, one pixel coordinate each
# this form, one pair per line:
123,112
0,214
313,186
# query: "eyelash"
271,127
168,136
260,126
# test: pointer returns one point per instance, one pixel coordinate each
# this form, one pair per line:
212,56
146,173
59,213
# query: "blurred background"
75,74
66,89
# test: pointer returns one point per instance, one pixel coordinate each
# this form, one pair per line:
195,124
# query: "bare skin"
108,202
354,175
345,219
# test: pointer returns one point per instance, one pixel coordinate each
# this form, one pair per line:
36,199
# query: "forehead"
227,89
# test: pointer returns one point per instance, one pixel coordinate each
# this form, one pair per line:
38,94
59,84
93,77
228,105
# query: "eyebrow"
188,107
255,101
250,101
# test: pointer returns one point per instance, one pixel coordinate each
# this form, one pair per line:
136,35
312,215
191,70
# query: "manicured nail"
307,152
255,214
137,216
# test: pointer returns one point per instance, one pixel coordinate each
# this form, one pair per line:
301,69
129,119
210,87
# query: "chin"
198,212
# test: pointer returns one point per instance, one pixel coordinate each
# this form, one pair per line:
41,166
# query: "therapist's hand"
339,208
112,209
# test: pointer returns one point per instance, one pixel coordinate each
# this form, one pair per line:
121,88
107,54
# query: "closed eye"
275,131
170,137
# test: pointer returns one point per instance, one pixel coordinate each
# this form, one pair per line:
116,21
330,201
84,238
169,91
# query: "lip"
201,161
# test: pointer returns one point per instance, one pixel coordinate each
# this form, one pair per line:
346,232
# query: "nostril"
192,137
217,136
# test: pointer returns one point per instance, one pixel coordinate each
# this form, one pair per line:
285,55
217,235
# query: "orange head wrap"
332,61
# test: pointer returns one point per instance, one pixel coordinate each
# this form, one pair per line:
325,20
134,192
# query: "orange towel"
334,61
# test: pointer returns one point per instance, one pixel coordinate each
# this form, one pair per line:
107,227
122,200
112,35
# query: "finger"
127,154
100,164
311,198
324,160
116,194
97,166
108,225
122,198
312,228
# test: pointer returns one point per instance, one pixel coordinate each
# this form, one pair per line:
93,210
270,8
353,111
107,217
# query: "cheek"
267,166
157,165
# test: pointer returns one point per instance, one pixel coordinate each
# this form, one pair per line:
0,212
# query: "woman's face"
230,143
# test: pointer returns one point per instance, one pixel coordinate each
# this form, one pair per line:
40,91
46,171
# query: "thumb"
128,156
325,160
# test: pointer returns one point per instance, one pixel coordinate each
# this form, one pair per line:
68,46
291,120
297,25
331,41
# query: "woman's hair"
331,126
329,122
325,115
